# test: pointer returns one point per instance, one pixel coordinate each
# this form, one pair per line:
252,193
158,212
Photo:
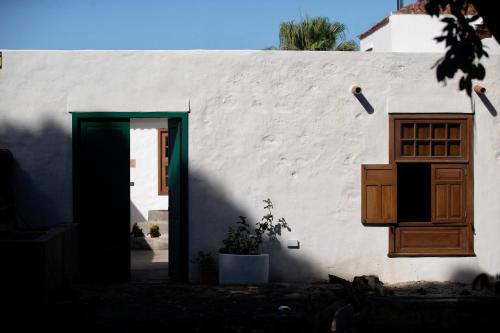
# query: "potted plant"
206,268
154,231
240,260
137,231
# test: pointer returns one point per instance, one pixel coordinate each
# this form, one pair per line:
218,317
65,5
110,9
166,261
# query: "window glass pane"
454,148
453,131
407,131
438,131
438,148
407,148
423,131
423,148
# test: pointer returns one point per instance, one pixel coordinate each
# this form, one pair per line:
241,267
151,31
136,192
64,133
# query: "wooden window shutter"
378,194
162,161
448,193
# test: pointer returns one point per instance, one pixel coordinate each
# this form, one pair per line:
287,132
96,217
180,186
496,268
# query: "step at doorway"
150,159
149,252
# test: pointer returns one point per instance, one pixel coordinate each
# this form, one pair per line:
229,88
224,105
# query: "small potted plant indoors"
137,231
206,268
154,231
240,260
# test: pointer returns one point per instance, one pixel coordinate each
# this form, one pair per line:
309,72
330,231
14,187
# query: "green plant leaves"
315,34
244,240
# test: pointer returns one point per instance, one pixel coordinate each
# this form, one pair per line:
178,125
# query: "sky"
170,24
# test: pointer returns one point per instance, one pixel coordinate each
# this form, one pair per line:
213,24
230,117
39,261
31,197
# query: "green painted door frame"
178,256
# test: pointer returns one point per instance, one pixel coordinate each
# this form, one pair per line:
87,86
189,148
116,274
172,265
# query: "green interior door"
174,200
102,198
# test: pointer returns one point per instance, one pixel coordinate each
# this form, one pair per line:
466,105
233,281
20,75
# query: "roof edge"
415,8
374,28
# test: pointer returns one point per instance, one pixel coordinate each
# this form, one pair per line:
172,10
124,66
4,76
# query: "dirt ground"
437,289
176,307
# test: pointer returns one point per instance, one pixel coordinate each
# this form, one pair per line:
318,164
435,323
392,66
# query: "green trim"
183,116
176,114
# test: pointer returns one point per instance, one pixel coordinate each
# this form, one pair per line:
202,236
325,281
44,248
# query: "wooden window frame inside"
435,238
162,162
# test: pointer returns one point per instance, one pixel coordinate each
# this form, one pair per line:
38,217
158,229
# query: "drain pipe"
479,89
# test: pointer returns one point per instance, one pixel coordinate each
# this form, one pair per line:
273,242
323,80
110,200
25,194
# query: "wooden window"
378,200
448,193
425,194
430,241
437,139
162,161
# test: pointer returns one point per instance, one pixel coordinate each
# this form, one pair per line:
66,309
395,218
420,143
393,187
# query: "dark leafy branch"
464,46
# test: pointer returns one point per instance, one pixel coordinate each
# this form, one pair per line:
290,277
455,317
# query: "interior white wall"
262,124
144,150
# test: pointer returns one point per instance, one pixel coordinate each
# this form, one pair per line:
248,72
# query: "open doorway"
105,207
149,160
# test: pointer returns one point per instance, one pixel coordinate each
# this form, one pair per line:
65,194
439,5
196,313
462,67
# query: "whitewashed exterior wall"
262,124
413,33
144,150
378,41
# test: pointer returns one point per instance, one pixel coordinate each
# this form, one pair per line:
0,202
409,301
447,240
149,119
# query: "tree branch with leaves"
464,46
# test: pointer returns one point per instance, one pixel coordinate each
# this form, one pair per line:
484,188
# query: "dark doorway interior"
103,186
101,162
414,192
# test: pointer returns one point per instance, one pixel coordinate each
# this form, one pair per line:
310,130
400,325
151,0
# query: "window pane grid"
428,139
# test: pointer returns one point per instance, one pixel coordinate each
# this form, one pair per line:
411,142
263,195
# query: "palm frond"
314,34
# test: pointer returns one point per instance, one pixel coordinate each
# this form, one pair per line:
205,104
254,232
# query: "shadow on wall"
43,196
135,214
465,275
213,210
469,276
364,103
490,107
41,174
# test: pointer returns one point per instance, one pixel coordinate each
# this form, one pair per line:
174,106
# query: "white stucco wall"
144,150
414,33
379,41
262,124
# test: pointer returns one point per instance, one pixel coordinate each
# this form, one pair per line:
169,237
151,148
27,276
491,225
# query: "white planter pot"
243,269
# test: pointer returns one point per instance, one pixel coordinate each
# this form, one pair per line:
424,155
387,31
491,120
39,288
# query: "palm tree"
315,34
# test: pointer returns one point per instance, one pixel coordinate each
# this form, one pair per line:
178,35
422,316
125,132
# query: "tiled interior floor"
149,265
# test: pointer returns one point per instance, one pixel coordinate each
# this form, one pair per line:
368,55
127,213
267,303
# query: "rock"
465,292
294,296
368,284
481,282
421,291
338,280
